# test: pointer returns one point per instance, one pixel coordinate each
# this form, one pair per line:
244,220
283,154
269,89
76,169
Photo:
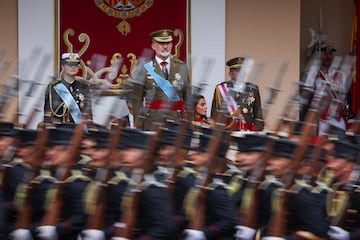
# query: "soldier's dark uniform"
220,215
272,184
55,109
344,204
17,176
248,102
149,98
72,217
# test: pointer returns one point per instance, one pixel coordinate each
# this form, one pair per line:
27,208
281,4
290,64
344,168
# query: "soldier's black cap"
133,138
235,63
27,137
283,147
101,136
205,135
344,149
169,133
59,136
162,35
250,141
8,129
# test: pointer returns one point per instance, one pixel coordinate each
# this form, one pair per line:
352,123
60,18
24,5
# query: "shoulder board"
299,185
216,182
119,177
150,180
268,181
84,159
186,171
77,175
55,81
176,60
44,175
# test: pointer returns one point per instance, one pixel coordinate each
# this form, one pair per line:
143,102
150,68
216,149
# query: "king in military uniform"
243,108
67,99
164,85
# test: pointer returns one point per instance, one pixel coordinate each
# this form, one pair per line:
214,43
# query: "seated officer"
243,105
67,99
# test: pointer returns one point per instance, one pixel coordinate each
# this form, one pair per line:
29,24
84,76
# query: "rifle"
277,224
197,221
97,219
23,219
52,212
128,218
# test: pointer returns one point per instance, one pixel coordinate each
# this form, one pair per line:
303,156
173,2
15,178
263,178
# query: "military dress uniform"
149,96
245,112
55,108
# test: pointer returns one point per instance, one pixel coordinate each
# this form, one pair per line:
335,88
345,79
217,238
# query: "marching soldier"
243,108
67,99
220,215
165,86
343,205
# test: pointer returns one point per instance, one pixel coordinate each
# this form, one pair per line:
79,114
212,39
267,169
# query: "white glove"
92,234
337,233
47,233
191,234
272,238
119,238
244,233
21,234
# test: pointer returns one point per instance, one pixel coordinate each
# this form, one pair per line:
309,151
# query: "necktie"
164,69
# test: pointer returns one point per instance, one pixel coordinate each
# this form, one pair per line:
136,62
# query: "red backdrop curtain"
355,91
103,30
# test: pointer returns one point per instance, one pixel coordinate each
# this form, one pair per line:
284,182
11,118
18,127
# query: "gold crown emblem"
165,34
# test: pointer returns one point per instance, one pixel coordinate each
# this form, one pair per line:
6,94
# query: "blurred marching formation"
173,173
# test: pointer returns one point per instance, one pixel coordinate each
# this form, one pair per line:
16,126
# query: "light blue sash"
164,84
69,101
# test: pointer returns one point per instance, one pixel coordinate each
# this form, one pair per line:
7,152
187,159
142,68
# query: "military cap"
344,149
8,129
59,136
70,59
283,147
163,35
235,62
133,138
205,136
101,136
249,142
169,133
27,137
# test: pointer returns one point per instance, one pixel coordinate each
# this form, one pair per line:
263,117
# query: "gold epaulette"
321,186
269,179
77,175
55,81
84,159
186,171
119,177
176,60
299,185
150,180
216,182
19,161
44,175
